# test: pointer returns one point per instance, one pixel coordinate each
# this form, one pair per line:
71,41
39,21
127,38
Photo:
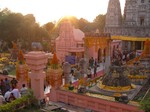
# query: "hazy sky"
52,10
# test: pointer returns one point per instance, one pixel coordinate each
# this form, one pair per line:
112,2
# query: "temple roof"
78,34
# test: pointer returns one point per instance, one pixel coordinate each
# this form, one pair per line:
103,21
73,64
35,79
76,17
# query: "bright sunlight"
53,10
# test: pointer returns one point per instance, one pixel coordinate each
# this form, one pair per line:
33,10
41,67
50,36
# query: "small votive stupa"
116,80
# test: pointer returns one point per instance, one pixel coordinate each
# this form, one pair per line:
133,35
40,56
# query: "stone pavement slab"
70,108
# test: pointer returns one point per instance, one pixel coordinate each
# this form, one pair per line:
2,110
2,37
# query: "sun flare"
52,10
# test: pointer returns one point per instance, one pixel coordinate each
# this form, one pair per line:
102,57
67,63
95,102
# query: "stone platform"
131,94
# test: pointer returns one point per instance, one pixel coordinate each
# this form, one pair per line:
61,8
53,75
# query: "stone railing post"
36,60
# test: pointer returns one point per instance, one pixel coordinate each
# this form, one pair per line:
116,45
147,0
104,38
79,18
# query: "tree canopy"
15,26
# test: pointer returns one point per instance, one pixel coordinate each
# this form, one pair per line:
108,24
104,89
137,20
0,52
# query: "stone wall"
92,103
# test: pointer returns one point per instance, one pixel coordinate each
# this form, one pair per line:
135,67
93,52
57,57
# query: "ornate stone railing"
93,103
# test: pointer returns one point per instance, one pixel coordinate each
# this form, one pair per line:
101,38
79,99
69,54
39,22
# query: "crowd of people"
90,72
9,90
122,57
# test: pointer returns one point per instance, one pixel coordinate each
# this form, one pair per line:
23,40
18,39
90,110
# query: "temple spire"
113,16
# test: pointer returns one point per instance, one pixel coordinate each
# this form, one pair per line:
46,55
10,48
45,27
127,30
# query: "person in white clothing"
23,90
7,95
16,93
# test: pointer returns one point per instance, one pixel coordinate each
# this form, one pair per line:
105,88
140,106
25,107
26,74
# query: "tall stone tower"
137,13
130,15
113,17
136,20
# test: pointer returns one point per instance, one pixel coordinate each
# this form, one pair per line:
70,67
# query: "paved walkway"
69,108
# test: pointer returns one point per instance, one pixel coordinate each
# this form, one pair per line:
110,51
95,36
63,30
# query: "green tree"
49,27
145,104
99,22
15,26
84,25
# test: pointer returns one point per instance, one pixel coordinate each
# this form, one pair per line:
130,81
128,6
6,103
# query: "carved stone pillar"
36,60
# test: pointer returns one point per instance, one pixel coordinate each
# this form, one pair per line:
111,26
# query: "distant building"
135,22
69,42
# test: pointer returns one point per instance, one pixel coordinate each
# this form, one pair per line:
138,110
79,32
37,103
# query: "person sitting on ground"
7,95
2,99
12,97
16,92
23,90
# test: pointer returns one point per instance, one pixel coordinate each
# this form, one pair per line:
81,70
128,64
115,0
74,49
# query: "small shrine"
54,73
116,81
69,42
22,69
